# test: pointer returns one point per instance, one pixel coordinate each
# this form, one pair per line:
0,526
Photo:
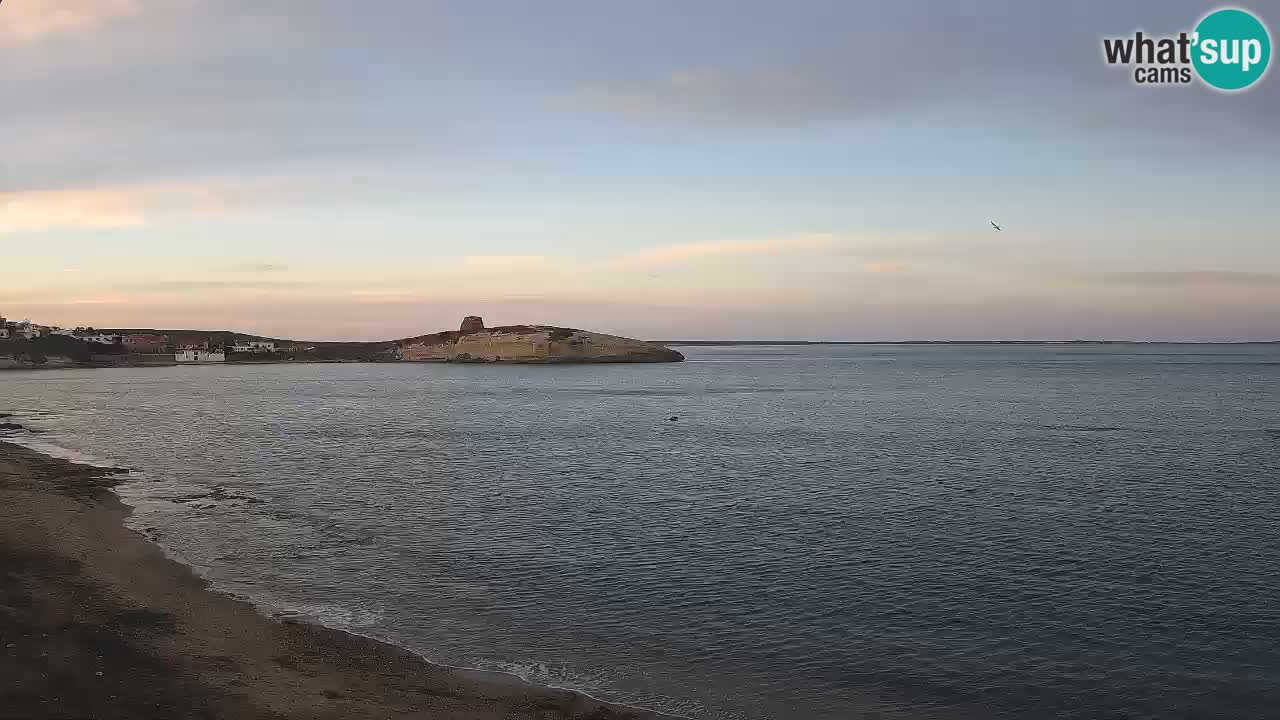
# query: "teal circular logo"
1231,49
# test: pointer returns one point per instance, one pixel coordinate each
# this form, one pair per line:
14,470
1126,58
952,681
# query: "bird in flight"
997,227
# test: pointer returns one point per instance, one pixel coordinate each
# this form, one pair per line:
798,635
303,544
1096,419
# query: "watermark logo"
1229,49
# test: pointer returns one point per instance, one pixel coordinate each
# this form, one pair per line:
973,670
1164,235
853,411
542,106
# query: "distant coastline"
35,357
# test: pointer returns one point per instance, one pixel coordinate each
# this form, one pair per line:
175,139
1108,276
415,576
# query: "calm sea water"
827,532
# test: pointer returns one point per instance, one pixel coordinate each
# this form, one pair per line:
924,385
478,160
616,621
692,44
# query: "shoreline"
99,621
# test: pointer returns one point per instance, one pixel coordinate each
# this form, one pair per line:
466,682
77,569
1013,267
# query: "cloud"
672,254
504,261
1190,278
98,301
28,21
247,88
201,285
83,209
103,208
713,95
883,268
986,62
256,268
371,296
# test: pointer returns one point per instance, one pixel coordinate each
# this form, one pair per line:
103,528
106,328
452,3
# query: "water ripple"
880,532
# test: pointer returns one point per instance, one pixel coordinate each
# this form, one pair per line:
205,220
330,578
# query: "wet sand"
95,622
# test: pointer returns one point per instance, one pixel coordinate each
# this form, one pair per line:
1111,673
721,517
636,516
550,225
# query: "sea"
759,533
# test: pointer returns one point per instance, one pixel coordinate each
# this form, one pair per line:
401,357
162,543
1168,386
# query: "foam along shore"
97,622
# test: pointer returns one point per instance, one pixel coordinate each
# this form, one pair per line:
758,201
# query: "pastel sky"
818,169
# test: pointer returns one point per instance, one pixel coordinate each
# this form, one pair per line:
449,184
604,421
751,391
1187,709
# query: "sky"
678,170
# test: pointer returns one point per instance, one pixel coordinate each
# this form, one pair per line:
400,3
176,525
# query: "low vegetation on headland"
472,342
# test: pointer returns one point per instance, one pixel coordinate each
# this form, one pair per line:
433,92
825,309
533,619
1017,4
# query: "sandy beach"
95,622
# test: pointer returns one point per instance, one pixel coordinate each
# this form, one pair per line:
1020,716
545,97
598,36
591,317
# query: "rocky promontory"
475,343
471,342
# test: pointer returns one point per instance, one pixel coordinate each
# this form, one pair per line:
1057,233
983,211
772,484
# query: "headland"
29,346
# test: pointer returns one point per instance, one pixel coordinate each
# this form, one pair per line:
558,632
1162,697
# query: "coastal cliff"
473,342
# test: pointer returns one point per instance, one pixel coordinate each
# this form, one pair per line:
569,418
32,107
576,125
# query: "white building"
101,339
26,329
254,346
22,329
192,356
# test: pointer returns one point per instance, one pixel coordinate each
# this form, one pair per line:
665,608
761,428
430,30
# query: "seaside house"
254,346
147,344
192,355
22,329
100,338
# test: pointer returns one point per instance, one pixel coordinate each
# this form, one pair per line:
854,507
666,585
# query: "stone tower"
471,324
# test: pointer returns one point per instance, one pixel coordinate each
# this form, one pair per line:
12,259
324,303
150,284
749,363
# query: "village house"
92,336
146,344
254,346
25,329
190,356
21,329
